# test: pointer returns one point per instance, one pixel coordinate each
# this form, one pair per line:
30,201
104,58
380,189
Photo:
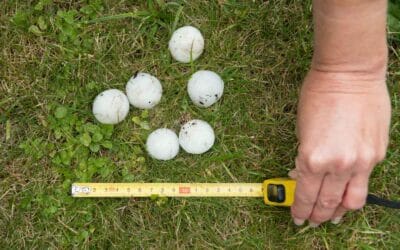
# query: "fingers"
319,198
329,198
307,189
327,195
356,193
354,197
338,215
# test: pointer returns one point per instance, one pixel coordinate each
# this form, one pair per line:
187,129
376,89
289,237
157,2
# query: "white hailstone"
110,106
205,88
186,44
196,137
162,144
144,91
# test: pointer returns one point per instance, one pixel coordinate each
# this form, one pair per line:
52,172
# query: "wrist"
345,82
373,69
350,37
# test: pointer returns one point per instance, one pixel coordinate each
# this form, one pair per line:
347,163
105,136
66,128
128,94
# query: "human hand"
342,126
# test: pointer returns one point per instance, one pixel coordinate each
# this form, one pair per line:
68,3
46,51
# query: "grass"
56,56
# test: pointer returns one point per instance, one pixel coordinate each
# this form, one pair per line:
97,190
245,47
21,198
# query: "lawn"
56,56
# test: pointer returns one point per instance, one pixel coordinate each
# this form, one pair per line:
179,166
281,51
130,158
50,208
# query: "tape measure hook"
75,190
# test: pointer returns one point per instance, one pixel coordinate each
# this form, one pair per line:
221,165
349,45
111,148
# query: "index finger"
307,190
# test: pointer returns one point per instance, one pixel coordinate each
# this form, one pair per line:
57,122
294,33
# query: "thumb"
293,174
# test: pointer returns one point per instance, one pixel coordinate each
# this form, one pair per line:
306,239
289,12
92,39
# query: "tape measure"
276,192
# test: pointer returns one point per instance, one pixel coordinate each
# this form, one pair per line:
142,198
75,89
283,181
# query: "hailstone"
196,137
144,91
162,144
205,88
110,106
186,44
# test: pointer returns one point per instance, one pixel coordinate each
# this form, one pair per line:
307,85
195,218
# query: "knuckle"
313,169
329,202
313,162
367,156
343,163
314,159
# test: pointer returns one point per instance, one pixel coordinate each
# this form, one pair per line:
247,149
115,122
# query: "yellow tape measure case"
279,191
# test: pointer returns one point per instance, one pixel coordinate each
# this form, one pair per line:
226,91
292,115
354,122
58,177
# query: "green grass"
53,64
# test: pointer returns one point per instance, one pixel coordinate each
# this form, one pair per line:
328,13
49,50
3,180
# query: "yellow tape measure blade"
167,189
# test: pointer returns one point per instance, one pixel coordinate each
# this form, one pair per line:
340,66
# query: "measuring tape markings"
167,189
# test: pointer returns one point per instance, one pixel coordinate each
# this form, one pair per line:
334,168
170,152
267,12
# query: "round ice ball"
110,106
196,137
144,91
162,144
205,88
186,44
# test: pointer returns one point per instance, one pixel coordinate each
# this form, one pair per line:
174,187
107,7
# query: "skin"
344,110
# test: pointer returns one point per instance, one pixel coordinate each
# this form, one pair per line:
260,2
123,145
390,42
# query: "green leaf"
91,128
137,150
161,201
107,144
21,19
145,114
107,130
84,235
94,147
154,197
35,30
26,202
85,139
68,16
60,112
106,171
39,6
58,134
86,10
141,159
42,23
97,137
66,157
136,120
145,125
52,209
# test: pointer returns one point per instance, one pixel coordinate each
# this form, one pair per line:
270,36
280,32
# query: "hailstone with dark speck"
110,106
205,88
196,137
144,91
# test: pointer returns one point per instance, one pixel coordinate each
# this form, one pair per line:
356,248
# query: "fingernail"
336,220
292,174
298,222
313,225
